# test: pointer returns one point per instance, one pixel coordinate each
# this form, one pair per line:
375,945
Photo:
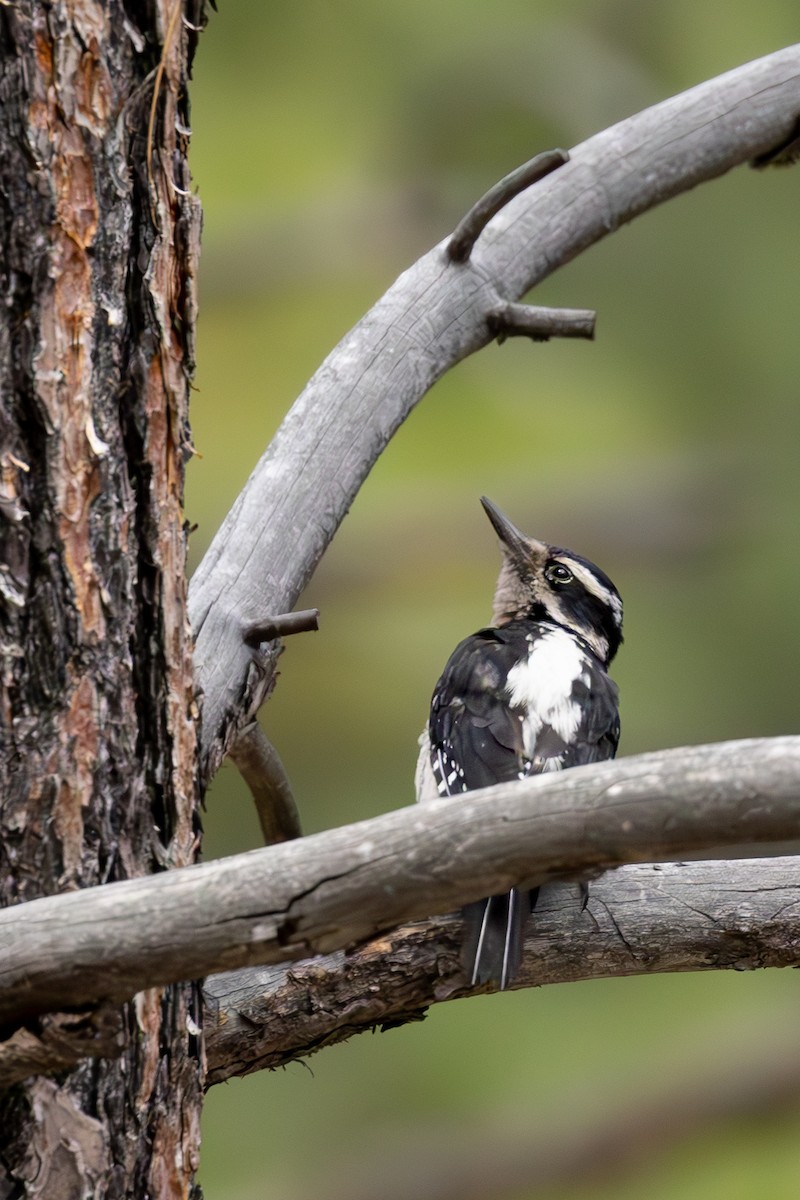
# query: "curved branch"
260,766
639,920
336,889
431,318
471,226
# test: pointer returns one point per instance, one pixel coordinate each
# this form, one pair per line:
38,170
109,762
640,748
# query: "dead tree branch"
337,889
431,318
649,919
643,919
471,226
270,628
261,768
539,324
256,758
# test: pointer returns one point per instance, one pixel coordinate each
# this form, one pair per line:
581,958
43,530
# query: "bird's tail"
494,932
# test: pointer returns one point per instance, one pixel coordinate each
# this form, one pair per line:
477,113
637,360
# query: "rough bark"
335,889
98,240
434,315
97,248
648,919
639,920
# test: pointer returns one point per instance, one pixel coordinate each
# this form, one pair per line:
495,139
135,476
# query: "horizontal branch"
644,919
639,920
431,318
338,888
270,628
539,324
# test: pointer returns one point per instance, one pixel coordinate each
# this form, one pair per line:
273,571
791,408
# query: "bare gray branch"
539,324
643,919
261,768
639,920
471,226
336,889
270,628
431,318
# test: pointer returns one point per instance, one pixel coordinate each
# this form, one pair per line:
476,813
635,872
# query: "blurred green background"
333,144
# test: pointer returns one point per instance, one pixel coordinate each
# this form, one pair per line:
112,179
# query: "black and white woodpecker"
530,693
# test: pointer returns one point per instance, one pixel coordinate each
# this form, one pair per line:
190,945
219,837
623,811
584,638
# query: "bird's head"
545,582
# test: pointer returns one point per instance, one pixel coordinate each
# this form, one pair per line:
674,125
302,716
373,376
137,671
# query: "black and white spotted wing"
479,736
514,701
476,737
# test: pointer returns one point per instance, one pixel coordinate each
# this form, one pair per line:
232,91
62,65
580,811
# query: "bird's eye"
558,574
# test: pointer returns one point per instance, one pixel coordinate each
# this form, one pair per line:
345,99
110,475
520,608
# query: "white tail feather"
513,901
479,947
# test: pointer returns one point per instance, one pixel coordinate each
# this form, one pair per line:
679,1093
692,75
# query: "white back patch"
542,686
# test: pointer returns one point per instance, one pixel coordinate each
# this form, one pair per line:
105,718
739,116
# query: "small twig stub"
473,224
540,324
303,621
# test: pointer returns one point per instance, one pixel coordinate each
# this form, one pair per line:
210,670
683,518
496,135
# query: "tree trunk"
98,765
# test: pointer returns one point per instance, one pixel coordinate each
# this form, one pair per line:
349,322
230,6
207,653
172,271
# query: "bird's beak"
521,548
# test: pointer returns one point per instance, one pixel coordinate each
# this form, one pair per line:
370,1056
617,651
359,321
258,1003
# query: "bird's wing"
597,736
475,736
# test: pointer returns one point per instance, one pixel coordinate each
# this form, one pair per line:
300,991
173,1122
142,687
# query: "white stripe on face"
595,587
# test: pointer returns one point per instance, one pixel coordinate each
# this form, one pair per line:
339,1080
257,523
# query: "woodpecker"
528,694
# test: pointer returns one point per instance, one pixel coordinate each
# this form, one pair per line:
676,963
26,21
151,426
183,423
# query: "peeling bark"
97,771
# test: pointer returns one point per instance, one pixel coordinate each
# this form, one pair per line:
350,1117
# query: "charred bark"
98,241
